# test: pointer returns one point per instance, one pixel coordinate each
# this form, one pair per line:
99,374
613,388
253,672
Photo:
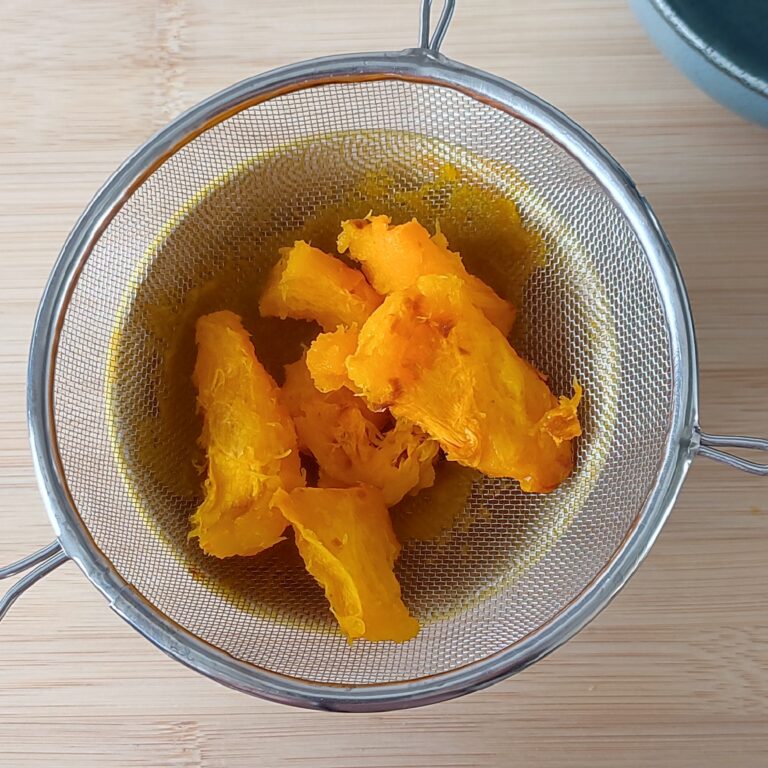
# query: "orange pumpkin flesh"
249,439
327,358
308,284
350,443
346,540
433,358
388,382
394,257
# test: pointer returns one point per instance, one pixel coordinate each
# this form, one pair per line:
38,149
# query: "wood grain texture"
674,673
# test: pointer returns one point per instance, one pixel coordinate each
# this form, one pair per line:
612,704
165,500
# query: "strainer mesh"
219,207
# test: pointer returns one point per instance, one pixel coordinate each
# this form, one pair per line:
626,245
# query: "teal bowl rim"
726,65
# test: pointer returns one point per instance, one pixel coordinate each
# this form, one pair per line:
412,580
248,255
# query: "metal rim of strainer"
423,64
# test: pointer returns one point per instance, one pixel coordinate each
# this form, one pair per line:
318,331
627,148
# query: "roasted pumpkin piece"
353,445
249,440
394,257
399,462
433,358
355,418
327,358
346,540
308,284
562,422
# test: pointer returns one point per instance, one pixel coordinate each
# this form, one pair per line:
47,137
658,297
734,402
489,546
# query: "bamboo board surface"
674,673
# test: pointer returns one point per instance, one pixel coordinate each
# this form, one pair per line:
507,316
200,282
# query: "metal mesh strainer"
191,223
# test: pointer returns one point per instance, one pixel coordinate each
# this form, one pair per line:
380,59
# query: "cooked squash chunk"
327,358
249,439
562,422
398,462
347,543
352,445
433,358
394,257
308,284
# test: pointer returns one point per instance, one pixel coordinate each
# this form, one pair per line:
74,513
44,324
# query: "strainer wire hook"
433,44
46,559
710,445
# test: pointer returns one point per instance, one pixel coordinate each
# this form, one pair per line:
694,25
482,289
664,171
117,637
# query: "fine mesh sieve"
192,223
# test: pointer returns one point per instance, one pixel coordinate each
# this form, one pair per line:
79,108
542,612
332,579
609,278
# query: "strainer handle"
46,559
438,35
709,445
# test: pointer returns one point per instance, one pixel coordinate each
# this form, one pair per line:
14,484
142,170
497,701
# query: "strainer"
192,221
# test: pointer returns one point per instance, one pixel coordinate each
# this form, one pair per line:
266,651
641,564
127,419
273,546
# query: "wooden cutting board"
674,673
